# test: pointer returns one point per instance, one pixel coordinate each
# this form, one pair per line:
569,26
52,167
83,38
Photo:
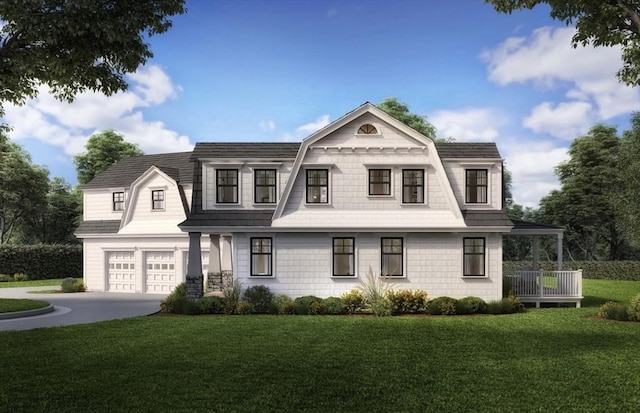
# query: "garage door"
121,275
160,274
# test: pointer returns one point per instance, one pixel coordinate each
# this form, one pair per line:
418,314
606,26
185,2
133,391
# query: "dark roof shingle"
486,218
253,218
98,227
456,150
246,150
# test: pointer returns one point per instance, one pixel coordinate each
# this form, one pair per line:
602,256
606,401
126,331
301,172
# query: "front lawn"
553,359
34,283
9,305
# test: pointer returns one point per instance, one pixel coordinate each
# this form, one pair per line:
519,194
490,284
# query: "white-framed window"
265,186
474,257
117,201
344,257
380,182
317,186
261,256
476,186
413,186
227,186
392,256
157,199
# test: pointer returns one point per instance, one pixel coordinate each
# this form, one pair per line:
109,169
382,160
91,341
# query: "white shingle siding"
433,262
98,204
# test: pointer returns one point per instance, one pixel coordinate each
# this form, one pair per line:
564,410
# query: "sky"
278,70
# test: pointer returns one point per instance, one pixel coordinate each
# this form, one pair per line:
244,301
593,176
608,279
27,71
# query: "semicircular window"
367,129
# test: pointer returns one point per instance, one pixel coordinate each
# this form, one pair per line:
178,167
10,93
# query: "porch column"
214,254
226,260
194,278
534,253
559,242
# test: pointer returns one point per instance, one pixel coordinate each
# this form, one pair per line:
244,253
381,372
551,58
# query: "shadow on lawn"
593,301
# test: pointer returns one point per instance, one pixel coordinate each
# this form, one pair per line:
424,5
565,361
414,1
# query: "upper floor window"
367,129
118,201
264,186
157,199
392,257
476,186
317,186
343,257
227,186
474,257
261,256
379,181
413,186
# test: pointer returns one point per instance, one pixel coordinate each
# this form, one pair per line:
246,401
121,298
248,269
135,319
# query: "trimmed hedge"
42,261
609,270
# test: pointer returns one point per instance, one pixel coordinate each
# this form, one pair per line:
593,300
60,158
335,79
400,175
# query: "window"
379,181
391,257
118,201
227,186
157,199
476,186
367,129
261,254
413,186
474,257
343,257
264,186
317,186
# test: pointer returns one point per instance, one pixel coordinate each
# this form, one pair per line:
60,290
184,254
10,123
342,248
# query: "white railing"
547,284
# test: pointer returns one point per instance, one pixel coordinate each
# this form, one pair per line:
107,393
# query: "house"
312,218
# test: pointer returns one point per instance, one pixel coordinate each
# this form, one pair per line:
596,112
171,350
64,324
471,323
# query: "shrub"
610,270
260,296
471,305
231,293
20,276
353,301
382,307
442,306
374,287
318,308
502,306
71,285
282,304
42,261
211,305
176,301
334,306
5,278
408,301
516,304
633,309
613,311
303,305
245,308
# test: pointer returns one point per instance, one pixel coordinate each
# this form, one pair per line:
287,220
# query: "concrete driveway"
80,308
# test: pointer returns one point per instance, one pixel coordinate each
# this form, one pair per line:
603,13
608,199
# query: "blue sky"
277,70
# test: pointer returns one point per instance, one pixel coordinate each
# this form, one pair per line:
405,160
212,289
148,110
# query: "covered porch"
533,285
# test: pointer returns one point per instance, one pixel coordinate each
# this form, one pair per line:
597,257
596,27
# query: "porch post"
559,242
194,278
226,261
534,253
214,254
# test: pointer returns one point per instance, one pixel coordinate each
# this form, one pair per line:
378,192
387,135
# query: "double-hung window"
474,257
227,186
261,257
379,181
317,186
118,201
476,186
413,186
157,199
343,257
264,186
392,257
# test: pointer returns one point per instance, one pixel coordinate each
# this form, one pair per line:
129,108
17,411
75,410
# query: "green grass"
552,359
35,283
597,292
8,305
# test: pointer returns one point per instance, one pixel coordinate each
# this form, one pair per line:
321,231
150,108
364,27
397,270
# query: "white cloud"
311,127
267,125
470,124
585,74
69,125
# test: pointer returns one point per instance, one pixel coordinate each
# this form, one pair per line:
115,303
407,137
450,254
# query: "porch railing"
547,286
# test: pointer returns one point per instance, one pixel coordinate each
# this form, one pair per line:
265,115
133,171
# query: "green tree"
628,201
103,150
598,22
401,112
76,45
23,187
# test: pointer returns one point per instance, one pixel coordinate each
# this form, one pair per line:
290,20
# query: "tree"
73,45
598,22
628,201
23,186
103,150
401,112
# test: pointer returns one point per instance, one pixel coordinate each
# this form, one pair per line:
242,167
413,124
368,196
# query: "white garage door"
160,272
121,275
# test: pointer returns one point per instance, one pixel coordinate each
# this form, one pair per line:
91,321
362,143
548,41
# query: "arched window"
367,129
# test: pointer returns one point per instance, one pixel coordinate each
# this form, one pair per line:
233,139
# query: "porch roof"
249,218
110,226
521,227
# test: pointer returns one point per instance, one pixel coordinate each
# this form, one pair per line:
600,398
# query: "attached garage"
160,272
121,275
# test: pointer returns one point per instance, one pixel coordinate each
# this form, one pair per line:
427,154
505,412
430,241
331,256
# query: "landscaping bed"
10,305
